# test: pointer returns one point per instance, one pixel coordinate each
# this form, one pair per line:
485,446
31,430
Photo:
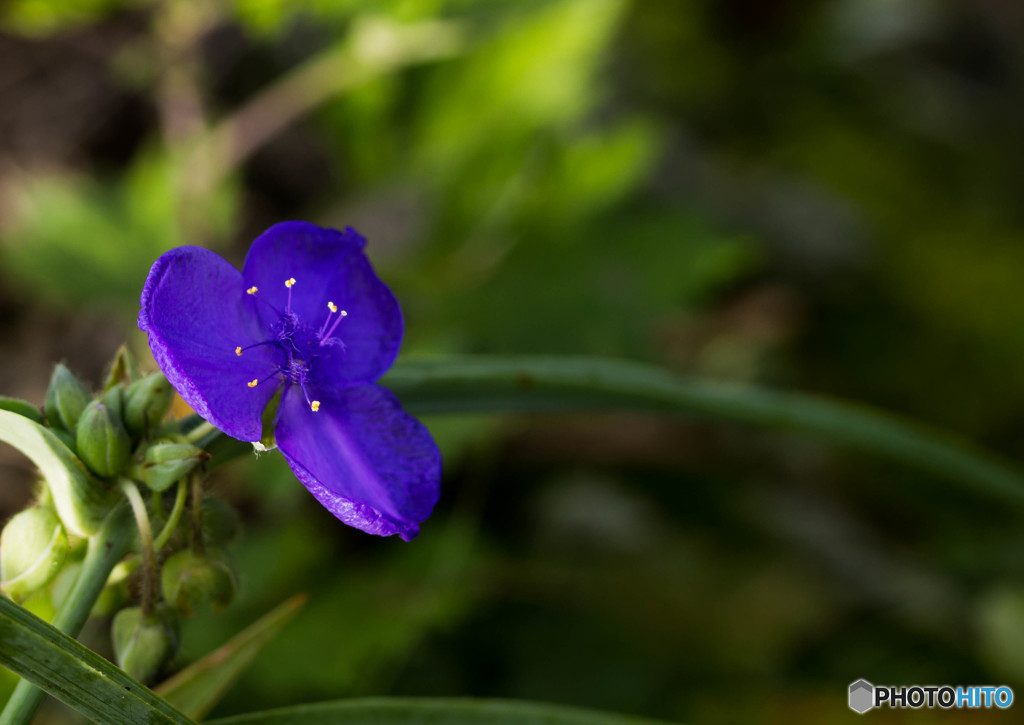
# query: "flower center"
296,344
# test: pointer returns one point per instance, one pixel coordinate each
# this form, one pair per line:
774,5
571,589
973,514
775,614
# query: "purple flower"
309,317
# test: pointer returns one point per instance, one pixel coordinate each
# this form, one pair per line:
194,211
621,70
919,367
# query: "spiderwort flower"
307,316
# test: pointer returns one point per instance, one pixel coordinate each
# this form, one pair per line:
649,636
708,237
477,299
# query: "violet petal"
365,459
328,266
196,314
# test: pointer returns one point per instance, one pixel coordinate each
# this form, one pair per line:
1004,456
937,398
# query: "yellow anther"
253,290
332,307
344,314
289,282
315,405
238,351
253,383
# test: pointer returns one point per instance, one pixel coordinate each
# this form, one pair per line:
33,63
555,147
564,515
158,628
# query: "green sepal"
189,579
116,593
268,439
164,463
143,645
41,604
33,547
147,402
64,582
81,500
66,399
67,438
21,407
102,441
114,399
123,369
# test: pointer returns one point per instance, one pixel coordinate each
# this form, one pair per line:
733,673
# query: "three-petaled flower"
308,317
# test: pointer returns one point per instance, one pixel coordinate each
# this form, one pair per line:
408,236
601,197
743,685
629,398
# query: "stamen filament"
331,309
254,382
314,405
239,350
341,315
289,283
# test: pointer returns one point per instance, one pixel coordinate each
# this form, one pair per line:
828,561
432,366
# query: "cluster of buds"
108,447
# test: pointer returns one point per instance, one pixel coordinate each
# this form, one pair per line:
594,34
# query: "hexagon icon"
862,696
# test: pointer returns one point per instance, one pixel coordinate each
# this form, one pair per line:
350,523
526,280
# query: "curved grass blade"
74,674
21,407
467,384
431,711
82,500
200,686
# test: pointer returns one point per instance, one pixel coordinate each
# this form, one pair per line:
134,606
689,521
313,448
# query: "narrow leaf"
414,711
74,674
82,500
21,407
200,686
474,384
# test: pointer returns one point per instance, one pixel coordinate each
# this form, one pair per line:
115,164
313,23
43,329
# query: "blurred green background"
821,195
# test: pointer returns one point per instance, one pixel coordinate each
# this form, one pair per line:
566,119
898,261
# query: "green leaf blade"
21,407
431,711
74,674
497,384
82,500
199,687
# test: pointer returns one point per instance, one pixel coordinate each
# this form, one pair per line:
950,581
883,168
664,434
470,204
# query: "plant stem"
172,521
197,545
156,498
146,541
203,429
106,547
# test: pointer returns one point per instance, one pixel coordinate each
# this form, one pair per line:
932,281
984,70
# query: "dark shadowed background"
824,196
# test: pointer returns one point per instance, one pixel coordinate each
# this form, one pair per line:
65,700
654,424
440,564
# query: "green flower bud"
66,438
102,442
220,522
41,605
66,398
64,582
147,402
113,596
144,645
190,579
114,399
124,368
165,463
115,593
32,549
